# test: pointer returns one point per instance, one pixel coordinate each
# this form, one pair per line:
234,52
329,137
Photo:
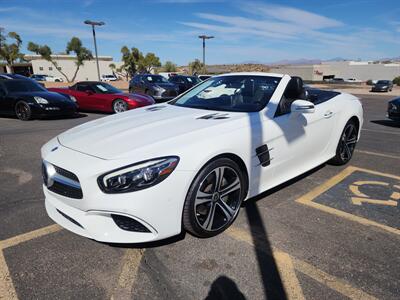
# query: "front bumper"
158,208
395,116
49,110
377,89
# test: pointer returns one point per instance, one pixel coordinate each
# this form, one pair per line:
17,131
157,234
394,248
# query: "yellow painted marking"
361,182
356,191
359,201
395,196
29,236
283,260
287,266
128,274
378,154
7,289
330,281
308,198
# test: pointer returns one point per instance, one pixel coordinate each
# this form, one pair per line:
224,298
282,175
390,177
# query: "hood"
148,129
53,97
395,101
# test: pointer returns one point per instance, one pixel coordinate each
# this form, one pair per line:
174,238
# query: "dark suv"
184,82
155,86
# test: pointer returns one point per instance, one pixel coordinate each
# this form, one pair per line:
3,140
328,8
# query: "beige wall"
67,64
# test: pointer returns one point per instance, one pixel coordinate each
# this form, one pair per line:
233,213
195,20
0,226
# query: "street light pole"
204,38
93,24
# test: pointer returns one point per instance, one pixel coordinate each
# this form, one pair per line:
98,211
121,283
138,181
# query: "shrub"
369,82
397,80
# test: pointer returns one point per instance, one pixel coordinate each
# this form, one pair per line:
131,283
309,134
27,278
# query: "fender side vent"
129,224
156,108
263,155
216,116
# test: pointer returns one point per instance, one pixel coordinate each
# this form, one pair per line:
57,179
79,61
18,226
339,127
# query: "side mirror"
89,92
302,107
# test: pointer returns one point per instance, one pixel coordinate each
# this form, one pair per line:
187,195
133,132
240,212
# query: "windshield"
156,79
15,86
230,93
383,82
105,88
193,79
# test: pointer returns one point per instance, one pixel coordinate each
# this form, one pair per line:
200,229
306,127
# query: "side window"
172,79
82,87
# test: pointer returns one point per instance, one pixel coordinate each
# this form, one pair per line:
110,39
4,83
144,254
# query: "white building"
362,70
66,63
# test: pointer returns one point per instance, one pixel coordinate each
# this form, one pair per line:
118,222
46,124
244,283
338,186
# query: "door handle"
328,114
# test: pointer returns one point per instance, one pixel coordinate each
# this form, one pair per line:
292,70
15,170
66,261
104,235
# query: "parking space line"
308,198
330,281
29,236
7,289
283,260
287,266
378,154
131,262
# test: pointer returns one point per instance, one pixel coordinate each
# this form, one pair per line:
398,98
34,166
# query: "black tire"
207,212
119,106
346,144
23,111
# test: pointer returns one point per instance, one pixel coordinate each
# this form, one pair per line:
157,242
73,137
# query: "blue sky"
264,31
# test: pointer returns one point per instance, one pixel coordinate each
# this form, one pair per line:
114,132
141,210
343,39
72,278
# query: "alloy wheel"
348,142
120,106
218,199
22,111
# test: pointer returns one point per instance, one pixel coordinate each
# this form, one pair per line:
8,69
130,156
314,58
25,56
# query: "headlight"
40,100
138,176
384,87
72,98
159,88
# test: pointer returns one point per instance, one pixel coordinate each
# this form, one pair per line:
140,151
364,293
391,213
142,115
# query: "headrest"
294,89
248,88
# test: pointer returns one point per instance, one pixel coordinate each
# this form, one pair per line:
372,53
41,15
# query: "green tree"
149,62
396,80
169,66
10,52
81,53
195,66
74,45
131,59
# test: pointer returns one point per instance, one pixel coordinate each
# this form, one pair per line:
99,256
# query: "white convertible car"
149,173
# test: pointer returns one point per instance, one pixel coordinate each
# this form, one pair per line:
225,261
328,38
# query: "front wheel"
346,145
214,198
23,111
119,106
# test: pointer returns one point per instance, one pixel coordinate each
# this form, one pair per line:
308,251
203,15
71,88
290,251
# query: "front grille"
66,190
61,181
129,224
66,173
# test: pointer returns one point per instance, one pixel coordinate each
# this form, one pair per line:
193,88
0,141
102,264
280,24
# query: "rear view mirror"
302,106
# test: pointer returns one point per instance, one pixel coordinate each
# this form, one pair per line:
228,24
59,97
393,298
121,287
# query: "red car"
100,96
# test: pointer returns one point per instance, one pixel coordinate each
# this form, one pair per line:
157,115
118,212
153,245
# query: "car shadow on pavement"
388,123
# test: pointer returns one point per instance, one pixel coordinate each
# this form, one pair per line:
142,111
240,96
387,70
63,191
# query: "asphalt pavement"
333,233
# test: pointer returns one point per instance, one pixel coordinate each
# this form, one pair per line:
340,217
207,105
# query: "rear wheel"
23,111
119,106
347,144
214,198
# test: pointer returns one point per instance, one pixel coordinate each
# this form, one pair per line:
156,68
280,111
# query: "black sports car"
383,86
26,99
394,109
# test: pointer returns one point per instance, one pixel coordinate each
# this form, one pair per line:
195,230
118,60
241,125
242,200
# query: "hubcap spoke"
210,217
226,209
234,186
219,176
202,198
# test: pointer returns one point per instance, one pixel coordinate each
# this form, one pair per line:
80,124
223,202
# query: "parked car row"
161,88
